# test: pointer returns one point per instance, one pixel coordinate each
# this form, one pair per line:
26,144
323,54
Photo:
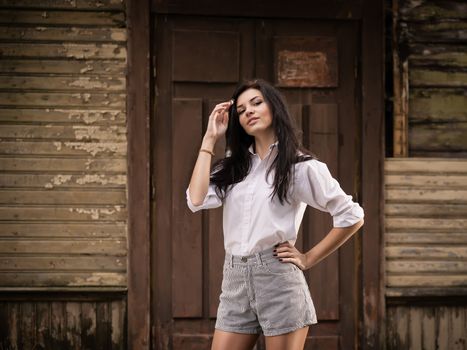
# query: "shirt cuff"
349,217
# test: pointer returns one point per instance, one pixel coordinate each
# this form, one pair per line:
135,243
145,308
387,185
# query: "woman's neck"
263,143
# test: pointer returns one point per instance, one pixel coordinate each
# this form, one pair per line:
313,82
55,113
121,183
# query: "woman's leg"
290,341
233,341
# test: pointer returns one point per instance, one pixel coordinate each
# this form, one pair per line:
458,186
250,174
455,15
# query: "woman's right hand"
218,120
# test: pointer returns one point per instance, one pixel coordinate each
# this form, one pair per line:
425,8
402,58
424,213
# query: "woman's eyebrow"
251,99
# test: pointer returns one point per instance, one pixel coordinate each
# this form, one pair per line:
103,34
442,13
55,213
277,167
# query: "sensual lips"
252,120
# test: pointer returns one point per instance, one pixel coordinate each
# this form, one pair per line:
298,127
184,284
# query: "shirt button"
244,259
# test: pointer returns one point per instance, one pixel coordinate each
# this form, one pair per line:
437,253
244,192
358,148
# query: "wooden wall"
427,327
430,77
63,166
426,253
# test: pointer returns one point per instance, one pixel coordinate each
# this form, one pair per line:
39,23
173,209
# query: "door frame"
370,15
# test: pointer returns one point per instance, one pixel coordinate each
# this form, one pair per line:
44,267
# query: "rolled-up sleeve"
316,187
211,200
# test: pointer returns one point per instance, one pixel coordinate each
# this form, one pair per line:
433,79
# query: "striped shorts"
262,294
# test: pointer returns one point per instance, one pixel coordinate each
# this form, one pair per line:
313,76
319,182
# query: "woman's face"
254,114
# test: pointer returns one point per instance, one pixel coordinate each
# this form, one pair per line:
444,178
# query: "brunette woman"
264,184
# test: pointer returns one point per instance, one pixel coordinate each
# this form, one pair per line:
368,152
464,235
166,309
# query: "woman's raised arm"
217,126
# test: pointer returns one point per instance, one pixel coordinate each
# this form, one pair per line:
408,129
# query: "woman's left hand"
287,253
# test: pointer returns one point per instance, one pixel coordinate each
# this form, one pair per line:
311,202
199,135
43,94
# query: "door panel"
198,64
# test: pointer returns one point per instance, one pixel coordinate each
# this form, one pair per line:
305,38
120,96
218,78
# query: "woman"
264,184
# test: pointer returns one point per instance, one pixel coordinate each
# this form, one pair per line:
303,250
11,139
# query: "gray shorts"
262,294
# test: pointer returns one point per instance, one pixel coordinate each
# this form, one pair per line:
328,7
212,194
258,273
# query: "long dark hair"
236,165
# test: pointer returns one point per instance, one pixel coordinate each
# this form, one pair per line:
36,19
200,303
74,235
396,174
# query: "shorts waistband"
253,259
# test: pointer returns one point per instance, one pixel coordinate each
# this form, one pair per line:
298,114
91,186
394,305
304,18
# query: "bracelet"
207,151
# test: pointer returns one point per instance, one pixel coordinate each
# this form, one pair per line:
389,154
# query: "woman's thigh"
233,341
290,341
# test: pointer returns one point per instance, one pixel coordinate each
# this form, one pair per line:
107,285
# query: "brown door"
199,61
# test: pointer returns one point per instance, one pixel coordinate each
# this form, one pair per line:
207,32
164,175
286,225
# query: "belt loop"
231,260
258,259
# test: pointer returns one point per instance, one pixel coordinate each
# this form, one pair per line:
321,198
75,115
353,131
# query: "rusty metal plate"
306,62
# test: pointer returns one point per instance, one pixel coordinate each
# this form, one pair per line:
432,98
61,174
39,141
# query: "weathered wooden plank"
438,280
429,103
424,166
443,316
432,10
62,34
118,325
60,4
61,147
439,137
14,329
93,116
425,238
57,321
425,209
427,252
425,224
64,50
103,330
87,18
64,132
61,181
426,194
69,100
62,197
457,328
418,180
88,325
440,56
428,329
62,263
73,324
62,279
26,324
432,77
423,266
71,84
57,229
415,329
440,31
42,323
187,274
89,165
103,246
69,66
64,214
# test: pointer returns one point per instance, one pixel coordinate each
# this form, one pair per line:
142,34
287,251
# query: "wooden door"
199,61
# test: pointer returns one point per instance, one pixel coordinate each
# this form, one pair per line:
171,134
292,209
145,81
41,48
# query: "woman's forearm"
199,182
333,240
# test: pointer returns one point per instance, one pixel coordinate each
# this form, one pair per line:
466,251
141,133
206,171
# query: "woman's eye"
240,112
257,103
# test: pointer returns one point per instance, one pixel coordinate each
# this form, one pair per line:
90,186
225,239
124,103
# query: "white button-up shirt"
252,222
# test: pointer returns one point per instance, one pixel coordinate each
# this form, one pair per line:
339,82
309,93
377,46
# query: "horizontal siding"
425,226
63,145
431,41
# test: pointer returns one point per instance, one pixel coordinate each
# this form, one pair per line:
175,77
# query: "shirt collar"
270,147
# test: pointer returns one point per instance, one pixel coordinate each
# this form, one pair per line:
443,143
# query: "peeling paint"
95,148
101,278
95,213
100,133
58,180
89,84
102,179
58,145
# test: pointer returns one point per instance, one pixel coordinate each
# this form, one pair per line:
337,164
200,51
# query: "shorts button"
244,259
